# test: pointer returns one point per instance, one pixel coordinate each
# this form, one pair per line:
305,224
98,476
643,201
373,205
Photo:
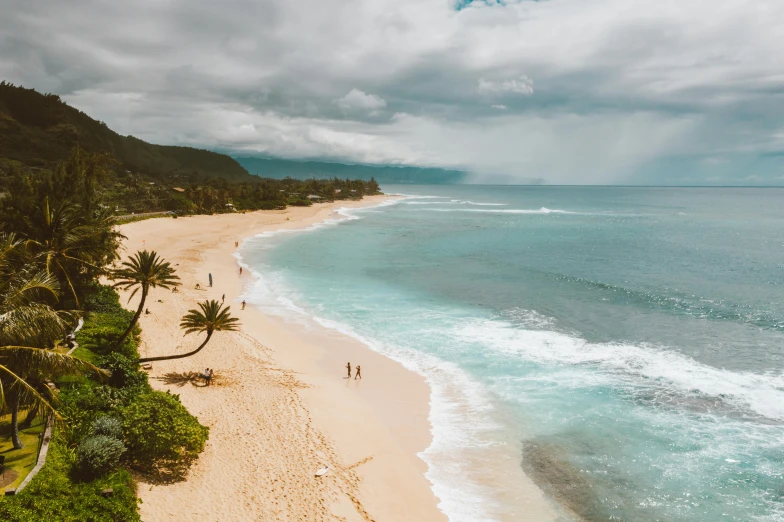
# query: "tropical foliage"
142,271
211,317
163,438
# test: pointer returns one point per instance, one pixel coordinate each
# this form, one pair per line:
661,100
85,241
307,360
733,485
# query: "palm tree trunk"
17,442
170,357
32,413
135,319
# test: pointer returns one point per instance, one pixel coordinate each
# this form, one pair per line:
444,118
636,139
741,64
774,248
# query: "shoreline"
280,406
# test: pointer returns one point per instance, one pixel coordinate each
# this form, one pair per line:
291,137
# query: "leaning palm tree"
143,270
210,319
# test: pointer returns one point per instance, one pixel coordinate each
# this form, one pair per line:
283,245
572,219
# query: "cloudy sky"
570,91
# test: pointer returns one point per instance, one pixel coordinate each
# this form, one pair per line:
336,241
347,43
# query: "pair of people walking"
358,374
208,373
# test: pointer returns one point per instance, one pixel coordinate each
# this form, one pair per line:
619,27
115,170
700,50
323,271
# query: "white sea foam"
760,393
456,202
459,408
542,210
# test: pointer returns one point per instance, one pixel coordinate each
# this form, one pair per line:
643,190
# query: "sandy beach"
280,407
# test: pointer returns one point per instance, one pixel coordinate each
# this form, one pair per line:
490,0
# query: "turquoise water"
625,346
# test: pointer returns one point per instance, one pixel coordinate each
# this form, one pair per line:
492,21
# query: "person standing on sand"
236,244
243,304
240,270
210,274
359,374
223,298
348,366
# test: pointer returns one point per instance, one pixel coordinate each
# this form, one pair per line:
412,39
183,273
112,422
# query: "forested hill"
280,168
40,130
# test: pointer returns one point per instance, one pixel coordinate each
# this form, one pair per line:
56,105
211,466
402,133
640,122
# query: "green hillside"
40,130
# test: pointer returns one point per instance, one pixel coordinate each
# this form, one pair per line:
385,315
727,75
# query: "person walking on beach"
211,374
243,304
223,298
210,274
206,376
240,270
236,244
348,367
358,374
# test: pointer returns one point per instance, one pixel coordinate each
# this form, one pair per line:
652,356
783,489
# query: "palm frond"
211,317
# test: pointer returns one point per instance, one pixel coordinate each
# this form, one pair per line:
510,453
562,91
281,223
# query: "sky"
566,91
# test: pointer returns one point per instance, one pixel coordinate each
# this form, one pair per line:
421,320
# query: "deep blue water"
624,345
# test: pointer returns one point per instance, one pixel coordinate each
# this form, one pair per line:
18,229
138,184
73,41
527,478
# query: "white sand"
280,407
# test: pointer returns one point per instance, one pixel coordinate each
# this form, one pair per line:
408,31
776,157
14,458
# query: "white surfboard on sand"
322,471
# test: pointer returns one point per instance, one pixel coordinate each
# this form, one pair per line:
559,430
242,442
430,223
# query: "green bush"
108,426
83,401
102,299
98,454
54,496
124,371
162,438
272,205
102,330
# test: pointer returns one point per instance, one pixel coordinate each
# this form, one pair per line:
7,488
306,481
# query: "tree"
24,371
143,270
60,214
26,319
68,243
211,317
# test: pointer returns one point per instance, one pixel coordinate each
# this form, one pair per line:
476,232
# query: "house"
313,196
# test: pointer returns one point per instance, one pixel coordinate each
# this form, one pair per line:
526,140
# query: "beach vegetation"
163,439
98,454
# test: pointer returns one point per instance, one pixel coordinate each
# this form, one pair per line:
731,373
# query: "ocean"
624,346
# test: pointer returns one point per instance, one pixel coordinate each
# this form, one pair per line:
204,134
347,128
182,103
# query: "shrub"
53,495
99,454
163,439
272,205
102,299
125,371
102,330
108,426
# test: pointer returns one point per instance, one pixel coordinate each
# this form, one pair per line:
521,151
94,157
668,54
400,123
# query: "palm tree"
211,318
26,318
70,243
143,270
23,372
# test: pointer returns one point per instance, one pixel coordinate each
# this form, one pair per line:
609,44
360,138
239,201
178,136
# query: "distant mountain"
40,130
280,168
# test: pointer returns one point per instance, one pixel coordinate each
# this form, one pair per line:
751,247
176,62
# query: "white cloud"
357,99
619,83
522,85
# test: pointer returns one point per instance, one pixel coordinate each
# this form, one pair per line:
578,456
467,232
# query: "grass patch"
55,495
20,461
86,355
